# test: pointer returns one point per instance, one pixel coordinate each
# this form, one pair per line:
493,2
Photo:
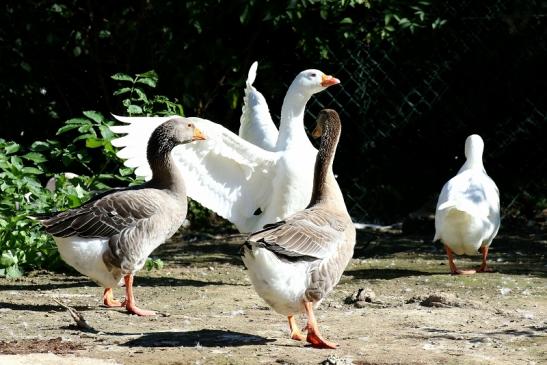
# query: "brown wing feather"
310,233
104,217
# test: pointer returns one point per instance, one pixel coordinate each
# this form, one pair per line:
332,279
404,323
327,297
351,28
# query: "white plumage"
86,256
467,217
248,185
256,124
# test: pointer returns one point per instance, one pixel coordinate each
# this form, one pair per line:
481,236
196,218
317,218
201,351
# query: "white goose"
468,211
248,185
256,124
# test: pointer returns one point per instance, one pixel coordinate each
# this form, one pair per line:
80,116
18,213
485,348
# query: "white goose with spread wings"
293,264
246,184
109,238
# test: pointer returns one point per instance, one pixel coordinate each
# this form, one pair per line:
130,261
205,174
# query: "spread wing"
310,233
256,124
104,217
224,173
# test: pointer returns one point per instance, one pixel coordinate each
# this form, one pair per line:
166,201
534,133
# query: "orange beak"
317,132
328,80
198,135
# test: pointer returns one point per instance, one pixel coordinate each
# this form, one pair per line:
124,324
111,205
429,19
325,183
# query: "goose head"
312,81
171,133
474,147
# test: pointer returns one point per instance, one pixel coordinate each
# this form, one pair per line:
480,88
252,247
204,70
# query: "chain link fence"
407,109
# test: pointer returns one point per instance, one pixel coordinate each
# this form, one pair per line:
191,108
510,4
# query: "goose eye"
189,125
313,74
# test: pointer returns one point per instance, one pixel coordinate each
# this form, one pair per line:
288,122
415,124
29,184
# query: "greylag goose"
295,263
246,184
467,217
256,124
109,238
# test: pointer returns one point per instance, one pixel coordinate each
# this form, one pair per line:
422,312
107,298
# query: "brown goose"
109,238
293,264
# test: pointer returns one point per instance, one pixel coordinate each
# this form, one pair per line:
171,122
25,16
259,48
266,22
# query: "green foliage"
85,148
153,264
135,100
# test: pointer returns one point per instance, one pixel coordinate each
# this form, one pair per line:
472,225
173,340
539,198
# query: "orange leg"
295,331
109,300
484,267
314,337
453,269
129,302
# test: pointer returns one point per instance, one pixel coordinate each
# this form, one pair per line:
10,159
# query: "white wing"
137,133
256,124
224,173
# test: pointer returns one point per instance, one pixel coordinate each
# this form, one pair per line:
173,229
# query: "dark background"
408,99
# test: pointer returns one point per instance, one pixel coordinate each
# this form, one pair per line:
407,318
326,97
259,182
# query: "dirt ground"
413,312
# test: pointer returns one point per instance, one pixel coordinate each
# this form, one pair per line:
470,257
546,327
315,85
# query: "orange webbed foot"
319,342
109,300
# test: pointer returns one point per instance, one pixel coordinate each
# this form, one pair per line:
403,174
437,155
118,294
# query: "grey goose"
295,263
109,238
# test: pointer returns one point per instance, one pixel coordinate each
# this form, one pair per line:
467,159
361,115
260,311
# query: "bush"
85,149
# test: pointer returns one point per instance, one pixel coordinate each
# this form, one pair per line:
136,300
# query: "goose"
467,217
295,263
109,238
256,124
248,185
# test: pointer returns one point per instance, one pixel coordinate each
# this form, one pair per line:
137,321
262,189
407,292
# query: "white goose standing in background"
246,184
295,263
467,217
256,124
109,238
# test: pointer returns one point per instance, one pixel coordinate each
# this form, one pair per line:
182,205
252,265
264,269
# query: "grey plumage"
128,223
316,243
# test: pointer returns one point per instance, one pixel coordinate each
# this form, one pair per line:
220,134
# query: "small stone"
361,296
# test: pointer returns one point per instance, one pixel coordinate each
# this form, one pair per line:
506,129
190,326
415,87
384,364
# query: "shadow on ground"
204,338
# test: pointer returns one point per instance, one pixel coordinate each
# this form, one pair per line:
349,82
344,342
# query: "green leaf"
147,81
93,143
12,148
346,21
94,116
121,77
149,74
40,146
66,128
106,133
8,259
123,90
35,157
31,170
134,109
13,272
142,96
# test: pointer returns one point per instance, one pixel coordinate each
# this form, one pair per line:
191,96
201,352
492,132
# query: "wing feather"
224,173
104,217
309,233
256,124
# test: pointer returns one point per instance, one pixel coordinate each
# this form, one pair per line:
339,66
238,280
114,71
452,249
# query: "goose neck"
324,183
165,174
473,162
291,126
